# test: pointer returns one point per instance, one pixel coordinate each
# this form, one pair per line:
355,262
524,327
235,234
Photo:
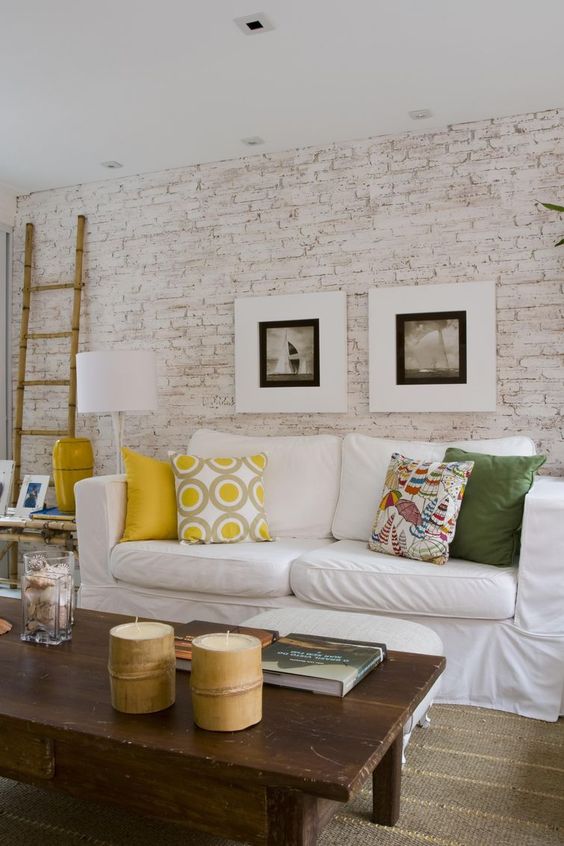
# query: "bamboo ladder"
25,335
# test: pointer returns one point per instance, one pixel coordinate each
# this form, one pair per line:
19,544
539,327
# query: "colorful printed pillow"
419,506
220,500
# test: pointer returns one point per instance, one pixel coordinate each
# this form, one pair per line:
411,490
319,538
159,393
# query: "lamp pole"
117,425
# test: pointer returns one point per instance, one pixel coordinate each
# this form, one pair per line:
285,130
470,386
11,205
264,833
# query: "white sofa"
503,628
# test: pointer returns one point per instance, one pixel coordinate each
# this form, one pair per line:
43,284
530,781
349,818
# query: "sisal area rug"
474,778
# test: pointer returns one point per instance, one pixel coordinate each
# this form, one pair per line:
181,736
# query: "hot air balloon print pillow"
419,507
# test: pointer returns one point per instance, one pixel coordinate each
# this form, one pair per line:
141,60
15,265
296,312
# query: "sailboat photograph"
289,353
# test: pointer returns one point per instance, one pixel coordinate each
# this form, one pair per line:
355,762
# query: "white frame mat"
331,395
477,299
21,509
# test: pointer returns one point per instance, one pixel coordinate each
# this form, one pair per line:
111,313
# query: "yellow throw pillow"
151,499
220,500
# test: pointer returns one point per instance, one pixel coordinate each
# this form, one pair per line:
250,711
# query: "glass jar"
47,597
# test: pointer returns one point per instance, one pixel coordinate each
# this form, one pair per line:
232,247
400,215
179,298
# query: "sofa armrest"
540,595
100,517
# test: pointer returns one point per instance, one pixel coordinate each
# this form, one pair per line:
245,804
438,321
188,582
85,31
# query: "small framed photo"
289,353
431,348
6,481
32,495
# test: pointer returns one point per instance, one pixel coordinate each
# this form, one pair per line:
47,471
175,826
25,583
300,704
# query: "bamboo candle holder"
226,681
142,667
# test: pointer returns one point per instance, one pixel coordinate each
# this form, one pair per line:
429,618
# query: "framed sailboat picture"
289,353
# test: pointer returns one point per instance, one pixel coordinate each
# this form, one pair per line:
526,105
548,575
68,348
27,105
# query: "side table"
50,532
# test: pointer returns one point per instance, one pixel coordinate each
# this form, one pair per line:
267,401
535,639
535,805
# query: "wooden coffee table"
277,783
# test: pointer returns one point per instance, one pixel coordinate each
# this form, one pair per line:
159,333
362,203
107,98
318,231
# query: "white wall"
8,203
4,352
167,253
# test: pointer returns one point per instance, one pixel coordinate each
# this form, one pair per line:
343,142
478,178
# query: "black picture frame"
439,369
271,336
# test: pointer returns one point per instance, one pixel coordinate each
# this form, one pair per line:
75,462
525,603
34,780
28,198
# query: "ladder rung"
45,433
54,287
76,286
28,382
36,335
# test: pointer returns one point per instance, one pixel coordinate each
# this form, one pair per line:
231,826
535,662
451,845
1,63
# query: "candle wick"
137,622
227,638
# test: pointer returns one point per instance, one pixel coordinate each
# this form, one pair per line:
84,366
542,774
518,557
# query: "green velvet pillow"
489,522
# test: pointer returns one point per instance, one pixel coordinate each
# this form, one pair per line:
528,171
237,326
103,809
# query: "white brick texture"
167,253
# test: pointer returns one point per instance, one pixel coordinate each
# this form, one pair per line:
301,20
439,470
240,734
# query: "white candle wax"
141,631
226,642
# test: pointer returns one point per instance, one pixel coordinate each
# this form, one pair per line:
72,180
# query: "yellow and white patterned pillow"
220,500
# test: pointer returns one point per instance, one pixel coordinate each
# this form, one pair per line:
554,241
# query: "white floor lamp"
114,382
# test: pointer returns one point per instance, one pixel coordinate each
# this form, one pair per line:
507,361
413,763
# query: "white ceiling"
163,84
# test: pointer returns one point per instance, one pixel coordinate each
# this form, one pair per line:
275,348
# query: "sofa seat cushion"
348,575
243,569
366,459
301,480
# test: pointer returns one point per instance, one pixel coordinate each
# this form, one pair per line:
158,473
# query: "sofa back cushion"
366,459
301,480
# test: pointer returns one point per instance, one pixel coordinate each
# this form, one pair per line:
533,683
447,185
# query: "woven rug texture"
475,777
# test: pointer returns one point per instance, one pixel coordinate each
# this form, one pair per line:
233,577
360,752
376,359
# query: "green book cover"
323,665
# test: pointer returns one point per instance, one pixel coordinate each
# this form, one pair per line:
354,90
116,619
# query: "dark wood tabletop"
58,728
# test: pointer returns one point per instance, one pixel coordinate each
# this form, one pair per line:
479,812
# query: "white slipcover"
366,459
349,575
301,481
514,664
540,601
236,569
498,665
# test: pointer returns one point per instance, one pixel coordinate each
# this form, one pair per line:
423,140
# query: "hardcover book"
51,514
185,634
323,665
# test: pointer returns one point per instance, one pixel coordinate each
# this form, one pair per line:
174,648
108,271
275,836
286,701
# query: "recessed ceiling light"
420,114
253,140
254,24
112,165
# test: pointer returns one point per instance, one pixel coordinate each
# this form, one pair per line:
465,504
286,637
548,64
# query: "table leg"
293,818
386,785
13,565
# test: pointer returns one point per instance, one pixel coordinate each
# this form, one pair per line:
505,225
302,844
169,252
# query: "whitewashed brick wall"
167,253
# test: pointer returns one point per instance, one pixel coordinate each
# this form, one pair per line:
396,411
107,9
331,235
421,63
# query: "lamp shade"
110,381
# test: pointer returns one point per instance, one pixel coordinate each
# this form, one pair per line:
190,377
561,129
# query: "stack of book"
320,664
184,635
332,666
